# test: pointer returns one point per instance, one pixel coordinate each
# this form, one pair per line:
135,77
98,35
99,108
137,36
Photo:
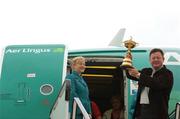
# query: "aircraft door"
31,79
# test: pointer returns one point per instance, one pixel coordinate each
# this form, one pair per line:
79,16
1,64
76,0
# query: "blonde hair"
75,59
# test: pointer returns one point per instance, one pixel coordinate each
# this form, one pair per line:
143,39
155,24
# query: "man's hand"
133,72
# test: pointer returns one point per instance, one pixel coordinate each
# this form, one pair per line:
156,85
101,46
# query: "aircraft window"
46,89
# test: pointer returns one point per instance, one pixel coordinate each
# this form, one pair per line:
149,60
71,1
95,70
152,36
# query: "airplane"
33,84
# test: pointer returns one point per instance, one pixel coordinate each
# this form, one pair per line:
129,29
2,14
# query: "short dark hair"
116,97
156,50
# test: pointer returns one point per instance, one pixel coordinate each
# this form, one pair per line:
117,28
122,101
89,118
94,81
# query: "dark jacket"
160,86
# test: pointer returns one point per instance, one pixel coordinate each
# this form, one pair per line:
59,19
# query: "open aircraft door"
31,78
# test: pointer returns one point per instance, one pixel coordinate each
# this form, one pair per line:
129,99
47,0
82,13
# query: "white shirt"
144,99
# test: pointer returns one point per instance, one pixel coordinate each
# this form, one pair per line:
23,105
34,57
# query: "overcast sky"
89,23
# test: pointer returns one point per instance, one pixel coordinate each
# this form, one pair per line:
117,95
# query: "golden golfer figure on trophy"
127,61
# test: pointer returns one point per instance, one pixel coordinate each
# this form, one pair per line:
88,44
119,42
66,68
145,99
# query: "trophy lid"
130,43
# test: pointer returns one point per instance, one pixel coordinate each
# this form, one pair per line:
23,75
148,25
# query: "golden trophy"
127,61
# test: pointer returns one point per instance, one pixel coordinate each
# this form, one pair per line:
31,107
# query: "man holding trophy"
155,84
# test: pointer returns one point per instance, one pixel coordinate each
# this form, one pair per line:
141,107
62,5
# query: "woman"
117,111
79,87
96,113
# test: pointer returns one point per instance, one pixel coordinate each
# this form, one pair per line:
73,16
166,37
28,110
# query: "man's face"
156,60
79,66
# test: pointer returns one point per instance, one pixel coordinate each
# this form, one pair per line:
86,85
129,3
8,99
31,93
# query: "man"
154,90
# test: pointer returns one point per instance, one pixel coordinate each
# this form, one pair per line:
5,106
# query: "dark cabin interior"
104,78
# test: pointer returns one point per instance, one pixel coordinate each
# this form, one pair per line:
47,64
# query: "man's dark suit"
160,86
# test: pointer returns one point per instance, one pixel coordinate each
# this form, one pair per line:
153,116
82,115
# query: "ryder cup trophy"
127,61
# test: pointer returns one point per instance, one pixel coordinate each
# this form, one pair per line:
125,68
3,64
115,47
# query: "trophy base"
126,66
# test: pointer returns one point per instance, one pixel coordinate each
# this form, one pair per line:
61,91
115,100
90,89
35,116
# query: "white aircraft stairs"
60,109
176,113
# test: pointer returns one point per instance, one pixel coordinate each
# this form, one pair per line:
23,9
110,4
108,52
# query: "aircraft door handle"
21,93
20,101
28,93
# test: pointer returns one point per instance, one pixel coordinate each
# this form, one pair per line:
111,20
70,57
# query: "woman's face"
116,104
79,66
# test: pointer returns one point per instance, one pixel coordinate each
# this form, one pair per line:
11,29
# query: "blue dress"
79,89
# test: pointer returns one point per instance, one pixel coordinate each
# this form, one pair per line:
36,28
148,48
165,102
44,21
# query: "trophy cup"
127,61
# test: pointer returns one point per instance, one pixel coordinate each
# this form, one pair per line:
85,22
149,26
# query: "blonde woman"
79,87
